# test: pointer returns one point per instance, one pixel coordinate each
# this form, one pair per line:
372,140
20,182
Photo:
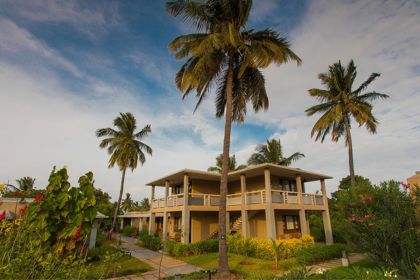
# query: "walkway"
334,263
169,266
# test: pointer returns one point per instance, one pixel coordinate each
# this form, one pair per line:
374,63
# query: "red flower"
370,198
17,194
77,233
134,234
3,215
38,197
366,216
406,186
23,210
360,220
81,248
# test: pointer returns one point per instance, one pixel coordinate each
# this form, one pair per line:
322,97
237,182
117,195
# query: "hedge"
319,253
177,249
149,241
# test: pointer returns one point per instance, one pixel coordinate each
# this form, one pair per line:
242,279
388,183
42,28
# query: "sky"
69,67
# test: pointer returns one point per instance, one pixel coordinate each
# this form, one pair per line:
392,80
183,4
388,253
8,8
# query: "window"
291,223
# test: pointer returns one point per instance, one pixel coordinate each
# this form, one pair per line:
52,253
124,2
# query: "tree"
232,164
125,148
144,205
26,183
271,152
339,102
103,202
128,204
225,53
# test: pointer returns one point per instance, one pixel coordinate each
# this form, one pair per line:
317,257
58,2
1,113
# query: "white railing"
284,197
234,199
255,197
312,199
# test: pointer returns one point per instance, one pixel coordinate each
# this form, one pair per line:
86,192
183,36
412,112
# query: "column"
185,226
269,210
93,233
244,212
326,216
165,213
302,214
122,223
140,224
152,221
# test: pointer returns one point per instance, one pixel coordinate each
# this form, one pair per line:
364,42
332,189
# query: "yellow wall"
11,206
257,225
205,187
202,225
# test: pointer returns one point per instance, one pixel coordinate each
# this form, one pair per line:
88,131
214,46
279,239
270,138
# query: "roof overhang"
178,177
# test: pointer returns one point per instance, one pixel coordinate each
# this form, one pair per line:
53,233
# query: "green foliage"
50,236
103,202
382,221
232,164
319,253
177,249
26,183
128,231
272,152
278,251
149,241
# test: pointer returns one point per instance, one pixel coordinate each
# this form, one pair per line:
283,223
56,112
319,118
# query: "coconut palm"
125,148
232,164
128,204
228,55
26,183
339,102
272,152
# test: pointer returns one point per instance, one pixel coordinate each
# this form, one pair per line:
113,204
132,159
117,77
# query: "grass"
107,262
346,272
238,264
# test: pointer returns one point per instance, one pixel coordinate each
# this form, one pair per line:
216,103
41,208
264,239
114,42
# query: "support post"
269,210
326,216
244,212
185,237
93,233
152,221
165,213
302,214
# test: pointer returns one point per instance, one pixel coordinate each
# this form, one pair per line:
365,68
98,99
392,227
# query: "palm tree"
127,204
26,183
144,205
125,148
271,152
232,164
225,53
339,102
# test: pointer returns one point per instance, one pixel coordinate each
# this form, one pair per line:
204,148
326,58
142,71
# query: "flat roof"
250,171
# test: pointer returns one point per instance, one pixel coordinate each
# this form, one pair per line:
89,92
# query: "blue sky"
68,68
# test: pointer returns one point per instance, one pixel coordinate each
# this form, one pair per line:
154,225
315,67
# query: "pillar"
152,220
326,216
93,233
140,224
165,213
185,226
302,214
269,210
122,224
244,212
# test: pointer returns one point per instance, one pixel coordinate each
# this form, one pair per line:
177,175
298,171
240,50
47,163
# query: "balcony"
254,197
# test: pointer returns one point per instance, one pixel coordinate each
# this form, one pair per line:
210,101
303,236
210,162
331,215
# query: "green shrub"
182,250
177,249
170,247
319,253
150,241
127,231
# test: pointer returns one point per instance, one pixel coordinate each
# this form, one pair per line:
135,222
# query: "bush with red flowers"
51,233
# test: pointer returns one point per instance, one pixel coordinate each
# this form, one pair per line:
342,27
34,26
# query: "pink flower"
3,215
38,197
366,216
406,186
370,198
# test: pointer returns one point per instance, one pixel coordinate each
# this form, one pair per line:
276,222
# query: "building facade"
265,201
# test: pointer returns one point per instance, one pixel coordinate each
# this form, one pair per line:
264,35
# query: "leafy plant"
278,251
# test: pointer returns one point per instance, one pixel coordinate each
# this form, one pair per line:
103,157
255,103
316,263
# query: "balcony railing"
254,197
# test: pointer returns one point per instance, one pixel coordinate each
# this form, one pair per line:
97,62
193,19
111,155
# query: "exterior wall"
279,215
257,225
205,187
202,225
11,206
414,180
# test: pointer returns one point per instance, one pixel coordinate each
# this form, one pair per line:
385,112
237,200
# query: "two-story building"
265,201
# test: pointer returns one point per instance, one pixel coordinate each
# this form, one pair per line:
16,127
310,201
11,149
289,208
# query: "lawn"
107,262
238,264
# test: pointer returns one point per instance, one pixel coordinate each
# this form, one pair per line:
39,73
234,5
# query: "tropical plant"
103,202
125,148
272,152
26,183
128,204
339,102
225,53
144,205
278,250
232,164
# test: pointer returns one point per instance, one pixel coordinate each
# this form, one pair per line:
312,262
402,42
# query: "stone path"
169,266
334,263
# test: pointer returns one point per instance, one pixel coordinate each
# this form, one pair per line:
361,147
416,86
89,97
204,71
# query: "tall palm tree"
219,163
225,53
271,152
125,148
26,183
339,102
127,204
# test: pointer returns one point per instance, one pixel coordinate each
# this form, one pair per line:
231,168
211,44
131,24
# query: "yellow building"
265,201
414,180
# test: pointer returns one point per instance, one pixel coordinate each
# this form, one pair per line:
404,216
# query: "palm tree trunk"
114,221
223,259
350,147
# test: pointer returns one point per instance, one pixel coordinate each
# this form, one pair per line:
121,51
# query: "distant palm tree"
225,53
232,164
339,102
271,152
144,205
125,147
26,183
128,204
